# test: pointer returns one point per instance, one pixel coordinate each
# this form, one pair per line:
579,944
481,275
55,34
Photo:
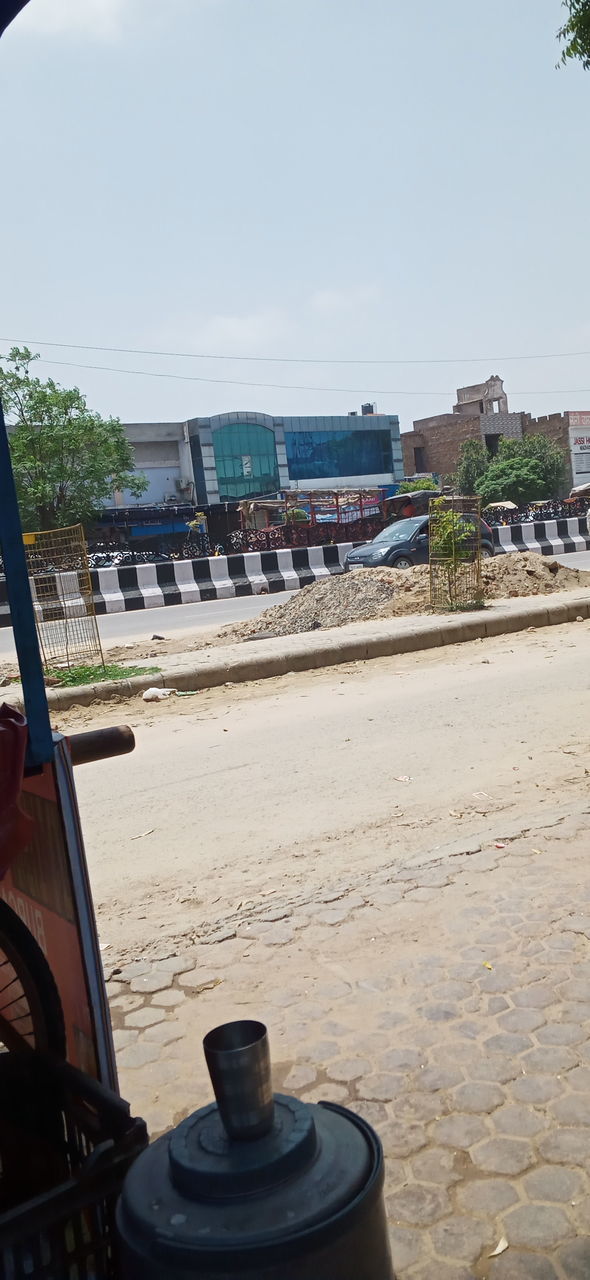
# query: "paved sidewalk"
449,1005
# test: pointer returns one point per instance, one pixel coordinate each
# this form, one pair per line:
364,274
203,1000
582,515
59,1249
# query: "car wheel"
486,554
402,562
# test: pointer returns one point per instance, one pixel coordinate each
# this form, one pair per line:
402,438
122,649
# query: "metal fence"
455,553
61,587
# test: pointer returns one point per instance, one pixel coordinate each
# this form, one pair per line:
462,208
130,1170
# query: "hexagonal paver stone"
573,1110
407,1246
402,1139
565,1146
536,1226
521,1020
149,982
575,989
497,1004
418,1108
460,1238
124,1036
496,1068
381,1086
439,1012
198,980
537,996
575,1259
553,1183
508,1042
561,1033
348,1069
536,1089
549,1058
175,964
479,1098
444,1271
138,1054
145,1017
134,970
433,1078
402,1059
503,1155
418,1205
301,1076
436,1165
514,1265
169,999
460,1131
579,1079
452,991
165,1032
488,1196
519,1122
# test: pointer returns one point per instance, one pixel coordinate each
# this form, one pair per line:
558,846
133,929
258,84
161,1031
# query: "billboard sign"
579,427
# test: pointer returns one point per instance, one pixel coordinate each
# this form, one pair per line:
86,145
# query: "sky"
300,181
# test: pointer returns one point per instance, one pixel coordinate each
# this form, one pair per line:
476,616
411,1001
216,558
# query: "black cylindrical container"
297,1195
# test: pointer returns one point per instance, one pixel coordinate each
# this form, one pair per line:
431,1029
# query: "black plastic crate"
60,1127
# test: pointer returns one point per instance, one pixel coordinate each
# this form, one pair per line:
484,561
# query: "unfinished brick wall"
440,438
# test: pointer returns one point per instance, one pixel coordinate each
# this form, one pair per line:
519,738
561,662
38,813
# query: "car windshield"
400,531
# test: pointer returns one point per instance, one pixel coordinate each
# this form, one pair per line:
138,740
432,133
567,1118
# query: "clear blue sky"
334,179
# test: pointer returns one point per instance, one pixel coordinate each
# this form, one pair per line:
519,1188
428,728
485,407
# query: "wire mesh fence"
61,587
455,553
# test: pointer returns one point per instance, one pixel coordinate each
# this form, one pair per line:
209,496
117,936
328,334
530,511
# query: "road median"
356,642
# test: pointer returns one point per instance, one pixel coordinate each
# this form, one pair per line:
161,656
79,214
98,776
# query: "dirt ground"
241,791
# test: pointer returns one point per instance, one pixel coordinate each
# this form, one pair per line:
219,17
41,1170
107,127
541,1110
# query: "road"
118,628
291,780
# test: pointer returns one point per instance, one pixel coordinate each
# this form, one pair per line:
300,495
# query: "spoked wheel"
31,1015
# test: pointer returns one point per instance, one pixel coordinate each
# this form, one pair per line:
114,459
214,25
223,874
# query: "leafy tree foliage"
67,460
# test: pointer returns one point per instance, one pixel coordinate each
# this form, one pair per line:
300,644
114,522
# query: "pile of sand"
388,593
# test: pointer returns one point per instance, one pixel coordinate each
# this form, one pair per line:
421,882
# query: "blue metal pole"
40,748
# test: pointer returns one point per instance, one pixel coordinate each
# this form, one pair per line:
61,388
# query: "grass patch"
69,676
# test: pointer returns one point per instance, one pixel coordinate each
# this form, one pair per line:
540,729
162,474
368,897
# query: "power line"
283,386
195,355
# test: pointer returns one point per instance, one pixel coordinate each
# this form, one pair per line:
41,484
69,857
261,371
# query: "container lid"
196,1195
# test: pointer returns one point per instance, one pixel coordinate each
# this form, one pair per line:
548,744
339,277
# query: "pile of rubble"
387,593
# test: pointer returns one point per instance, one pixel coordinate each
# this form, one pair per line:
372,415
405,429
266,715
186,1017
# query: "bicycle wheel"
30,1008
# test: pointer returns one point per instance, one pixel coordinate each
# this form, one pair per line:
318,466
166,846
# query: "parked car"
404,543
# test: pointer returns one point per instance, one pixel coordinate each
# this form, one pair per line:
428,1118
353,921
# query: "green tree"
513,479
575,32
548,455
67,460
473,462
412,486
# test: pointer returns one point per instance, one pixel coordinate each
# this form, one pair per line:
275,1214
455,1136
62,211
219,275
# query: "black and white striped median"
123,589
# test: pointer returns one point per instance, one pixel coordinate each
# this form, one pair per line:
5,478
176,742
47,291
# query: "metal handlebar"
100,744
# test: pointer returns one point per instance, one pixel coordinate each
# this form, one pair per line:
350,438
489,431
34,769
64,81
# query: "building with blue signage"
233,456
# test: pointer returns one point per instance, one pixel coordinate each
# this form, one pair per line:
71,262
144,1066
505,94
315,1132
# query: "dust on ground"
388,593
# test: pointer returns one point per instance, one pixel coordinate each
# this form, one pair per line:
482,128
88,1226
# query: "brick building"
481,413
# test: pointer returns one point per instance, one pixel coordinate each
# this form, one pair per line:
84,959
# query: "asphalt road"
116,628
292,780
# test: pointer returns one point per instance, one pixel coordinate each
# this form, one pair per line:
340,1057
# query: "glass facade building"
333,455
245,461
241,455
